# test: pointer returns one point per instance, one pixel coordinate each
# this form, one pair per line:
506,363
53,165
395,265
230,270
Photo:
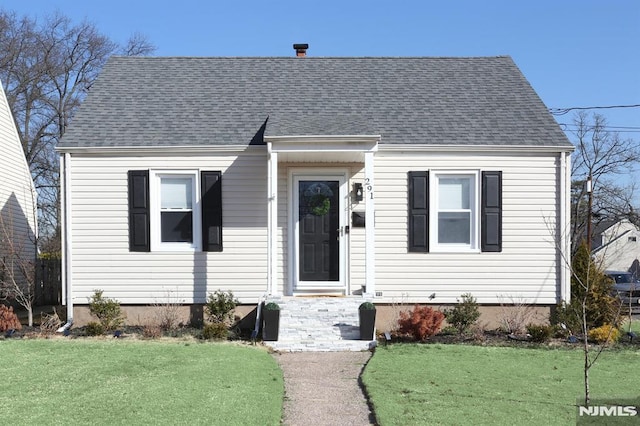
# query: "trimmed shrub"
604,334
8,319
464,314
215,331
271,306
107,310
367,306
539,333
420,323
94,328
220,306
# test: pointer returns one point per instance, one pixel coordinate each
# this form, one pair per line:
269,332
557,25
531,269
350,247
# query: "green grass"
133,382
459,385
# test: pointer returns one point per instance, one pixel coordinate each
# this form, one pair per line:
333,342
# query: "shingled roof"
181,101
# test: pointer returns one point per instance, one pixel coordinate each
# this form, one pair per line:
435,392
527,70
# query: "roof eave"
183,149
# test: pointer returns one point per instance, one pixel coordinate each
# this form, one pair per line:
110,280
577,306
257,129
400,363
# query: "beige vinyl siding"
527,268
17,193
100,246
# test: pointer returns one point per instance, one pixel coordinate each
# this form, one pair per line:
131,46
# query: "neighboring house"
18,224
413,180
616,246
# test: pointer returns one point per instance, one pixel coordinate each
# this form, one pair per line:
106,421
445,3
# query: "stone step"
319,324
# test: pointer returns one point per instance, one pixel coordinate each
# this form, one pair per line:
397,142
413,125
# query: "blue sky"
575,53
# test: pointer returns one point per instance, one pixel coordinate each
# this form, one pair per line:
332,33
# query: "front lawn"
439,384
133,382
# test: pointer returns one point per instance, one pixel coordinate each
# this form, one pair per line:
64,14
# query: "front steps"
323,324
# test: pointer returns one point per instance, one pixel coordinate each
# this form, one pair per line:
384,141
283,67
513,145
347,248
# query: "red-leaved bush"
420,323
8,319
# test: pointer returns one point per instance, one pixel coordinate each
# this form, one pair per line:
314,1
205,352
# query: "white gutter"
491,149
67,293
160,150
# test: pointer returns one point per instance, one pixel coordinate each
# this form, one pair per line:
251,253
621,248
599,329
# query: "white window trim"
434,245
154,204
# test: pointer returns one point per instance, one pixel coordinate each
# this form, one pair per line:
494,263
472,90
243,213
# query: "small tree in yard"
591,307
601,157
17,265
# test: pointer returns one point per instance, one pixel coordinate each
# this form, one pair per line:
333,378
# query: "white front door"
318,221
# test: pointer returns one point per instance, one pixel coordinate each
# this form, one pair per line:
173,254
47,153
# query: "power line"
622,127
563,111
617,129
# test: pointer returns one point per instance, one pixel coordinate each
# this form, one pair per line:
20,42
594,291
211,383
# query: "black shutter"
139,215
211,211
419,211
491,213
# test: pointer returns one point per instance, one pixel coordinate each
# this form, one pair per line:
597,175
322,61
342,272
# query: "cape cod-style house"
401,180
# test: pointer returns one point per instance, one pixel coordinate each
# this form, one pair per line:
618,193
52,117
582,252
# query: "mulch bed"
479,338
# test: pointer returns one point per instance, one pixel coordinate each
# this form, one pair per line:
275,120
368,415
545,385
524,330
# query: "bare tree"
601,156
591,304
18,244
47,67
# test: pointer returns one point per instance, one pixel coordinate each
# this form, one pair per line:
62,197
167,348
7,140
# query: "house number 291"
369,187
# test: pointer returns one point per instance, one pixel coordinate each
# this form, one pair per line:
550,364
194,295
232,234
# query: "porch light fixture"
358,194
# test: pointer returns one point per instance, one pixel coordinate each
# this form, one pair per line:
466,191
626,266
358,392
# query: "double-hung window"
455,206
177,202
175,210
175,218
455,211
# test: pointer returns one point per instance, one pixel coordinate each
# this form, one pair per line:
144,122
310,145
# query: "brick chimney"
301,50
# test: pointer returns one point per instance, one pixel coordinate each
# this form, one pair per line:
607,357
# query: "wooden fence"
48,282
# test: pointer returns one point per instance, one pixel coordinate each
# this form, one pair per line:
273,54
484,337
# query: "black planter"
270,325
367,323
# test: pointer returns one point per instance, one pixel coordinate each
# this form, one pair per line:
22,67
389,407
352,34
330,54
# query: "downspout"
564,228
65,173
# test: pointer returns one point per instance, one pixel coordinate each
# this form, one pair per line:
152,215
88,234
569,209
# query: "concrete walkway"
323,388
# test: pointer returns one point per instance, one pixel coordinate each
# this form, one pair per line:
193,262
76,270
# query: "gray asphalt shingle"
181,101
